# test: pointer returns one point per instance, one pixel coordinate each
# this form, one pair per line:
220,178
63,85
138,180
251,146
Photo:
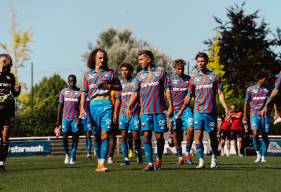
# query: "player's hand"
57,130
104,86
263,112
227,112
82,114
17,87
115,118
169,112
129,113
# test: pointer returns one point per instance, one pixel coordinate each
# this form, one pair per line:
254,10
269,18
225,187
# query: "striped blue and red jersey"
278,82
125,95
92,79
179,88
257,98
204,89
70,99
150,86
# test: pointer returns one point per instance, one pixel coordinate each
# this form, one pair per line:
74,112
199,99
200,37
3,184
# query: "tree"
121,46
41,121
245,48
20,46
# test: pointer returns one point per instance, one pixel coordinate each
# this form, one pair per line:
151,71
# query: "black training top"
7,84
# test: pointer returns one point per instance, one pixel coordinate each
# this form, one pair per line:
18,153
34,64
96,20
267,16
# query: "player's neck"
149,67
203,71
259,84
127,79
98,68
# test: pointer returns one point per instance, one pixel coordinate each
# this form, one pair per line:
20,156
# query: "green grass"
50,174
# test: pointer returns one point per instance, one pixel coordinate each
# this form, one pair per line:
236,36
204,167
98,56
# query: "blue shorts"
154,122
184,122
205,121
87,125
260,123
101,115
131,125
67,123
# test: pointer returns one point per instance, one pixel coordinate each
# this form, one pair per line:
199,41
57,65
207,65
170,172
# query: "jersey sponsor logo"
259,98
196,122
127,93
5,84
179,89
152,84
162,123
204,86
71,99
189,120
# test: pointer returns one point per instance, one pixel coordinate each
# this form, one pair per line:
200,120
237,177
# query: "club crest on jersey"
156,74
175,81
142,76
196,122
136,123
143,124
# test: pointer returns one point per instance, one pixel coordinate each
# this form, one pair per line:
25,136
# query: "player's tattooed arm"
116,110
245,112
59,114
82,105
132,102
222,100
186,102
169,102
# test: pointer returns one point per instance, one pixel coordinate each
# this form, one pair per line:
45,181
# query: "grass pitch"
50,174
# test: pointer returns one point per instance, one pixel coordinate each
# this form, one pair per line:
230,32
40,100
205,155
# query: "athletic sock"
199,149
88,145
160,147
104,148
256,144
124,148
148,150
74,148
97,148
264,145
179,151
65,146
188,148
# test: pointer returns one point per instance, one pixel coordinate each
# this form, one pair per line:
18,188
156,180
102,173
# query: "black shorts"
7,114
236,134
224,134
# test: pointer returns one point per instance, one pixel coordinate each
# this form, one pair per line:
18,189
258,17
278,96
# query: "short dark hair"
261,75
91,63
202,54
147,53
71,76
179,62
8,57
128,65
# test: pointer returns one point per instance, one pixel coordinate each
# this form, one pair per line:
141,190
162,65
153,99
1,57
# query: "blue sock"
256,144
124,148
97,148
199,148
88,145
264,145
148,151
65,146
179,151
138,147
188,148
74,148
104,148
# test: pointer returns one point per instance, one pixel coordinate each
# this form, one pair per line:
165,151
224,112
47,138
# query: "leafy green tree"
245,48
41,120
121,46
20,45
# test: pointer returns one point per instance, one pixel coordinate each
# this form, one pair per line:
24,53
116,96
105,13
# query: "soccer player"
125,125
237,129
69,101
8,90
98,82
87,125
273,96
150,89
224,132
178,85
204,88
257,95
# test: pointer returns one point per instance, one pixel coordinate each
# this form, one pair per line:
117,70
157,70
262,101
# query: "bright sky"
63,28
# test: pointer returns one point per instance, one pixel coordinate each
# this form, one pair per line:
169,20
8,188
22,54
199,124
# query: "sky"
62,29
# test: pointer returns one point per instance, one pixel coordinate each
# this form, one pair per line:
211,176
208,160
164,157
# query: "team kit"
142,104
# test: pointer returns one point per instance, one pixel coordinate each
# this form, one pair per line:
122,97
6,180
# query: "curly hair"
128,65
91,63
179,62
